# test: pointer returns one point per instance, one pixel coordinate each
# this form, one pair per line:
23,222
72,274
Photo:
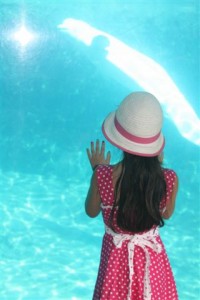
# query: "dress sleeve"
104,182
170,177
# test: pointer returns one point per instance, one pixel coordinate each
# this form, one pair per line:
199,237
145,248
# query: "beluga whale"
145,71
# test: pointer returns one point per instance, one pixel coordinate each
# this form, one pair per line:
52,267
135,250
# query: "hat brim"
114,137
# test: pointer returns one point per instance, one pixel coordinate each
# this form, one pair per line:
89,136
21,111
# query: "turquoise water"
55,91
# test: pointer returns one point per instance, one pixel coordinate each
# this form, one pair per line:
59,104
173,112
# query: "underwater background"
55,91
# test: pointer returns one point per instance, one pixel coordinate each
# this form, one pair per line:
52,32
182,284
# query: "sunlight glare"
23,36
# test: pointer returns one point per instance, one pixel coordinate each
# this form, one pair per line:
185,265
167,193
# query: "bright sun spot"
23,36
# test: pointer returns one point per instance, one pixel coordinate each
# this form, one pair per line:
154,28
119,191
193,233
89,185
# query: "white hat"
135,127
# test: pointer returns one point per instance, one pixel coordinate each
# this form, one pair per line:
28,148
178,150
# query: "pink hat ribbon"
132,137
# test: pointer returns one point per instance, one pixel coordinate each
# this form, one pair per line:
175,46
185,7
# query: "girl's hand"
96,154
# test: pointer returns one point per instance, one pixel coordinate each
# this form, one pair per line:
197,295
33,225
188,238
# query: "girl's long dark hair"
138,193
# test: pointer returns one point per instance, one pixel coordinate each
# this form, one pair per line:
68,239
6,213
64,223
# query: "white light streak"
151,76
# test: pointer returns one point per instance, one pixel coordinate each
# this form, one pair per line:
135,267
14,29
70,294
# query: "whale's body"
146,72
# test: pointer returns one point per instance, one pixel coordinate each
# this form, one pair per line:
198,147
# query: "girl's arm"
93,200
96,156
171,203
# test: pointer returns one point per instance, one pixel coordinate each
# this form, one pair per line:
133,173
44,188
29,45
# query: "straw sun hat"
135,127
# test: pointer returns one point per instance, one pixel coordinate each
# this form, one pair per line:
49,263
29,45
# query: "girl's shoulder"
109,171
103,168
169,172
116,169
169,175
103,171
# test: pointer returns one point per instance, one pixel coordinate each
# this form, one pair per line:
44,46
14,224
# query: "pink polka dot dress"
132,266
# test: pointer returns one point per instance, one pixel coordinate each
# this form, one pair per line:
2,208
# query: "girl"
134,196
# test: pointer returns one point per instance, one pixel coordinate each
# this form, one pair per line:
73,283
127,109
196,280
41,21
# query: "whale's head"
80,30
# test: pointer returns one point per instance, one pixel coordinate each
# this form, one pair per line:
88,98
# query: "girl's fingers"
102,148
96,153
108,156
88,153
97,146
92,147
